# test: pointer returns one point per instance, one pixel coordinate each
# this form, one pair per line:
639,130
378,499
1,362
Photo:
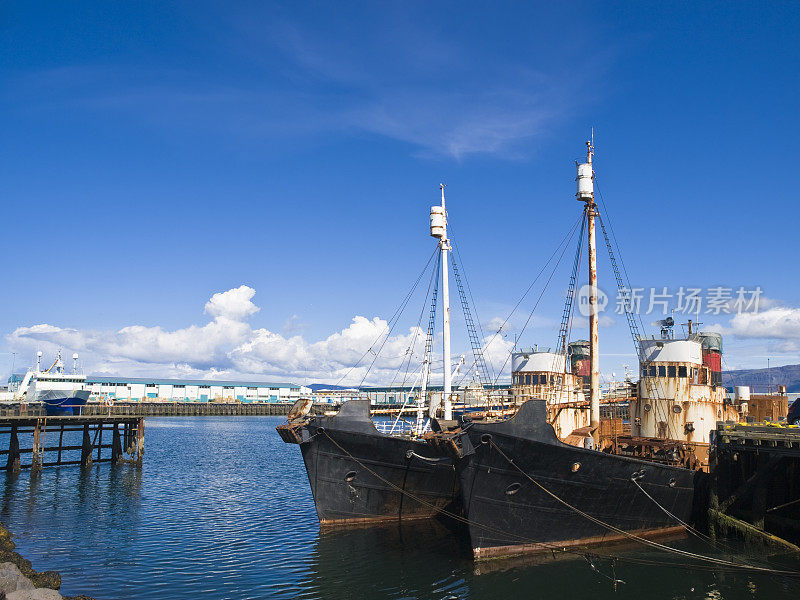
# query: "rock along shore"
18,580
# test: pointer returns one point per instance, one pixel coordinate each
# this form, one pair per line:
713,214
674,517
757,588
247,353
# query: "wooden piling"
116,446
86,448
13,462
36,455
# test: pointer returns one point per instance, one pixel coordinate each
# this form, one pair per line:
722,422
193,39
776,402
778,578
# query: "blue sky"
156,154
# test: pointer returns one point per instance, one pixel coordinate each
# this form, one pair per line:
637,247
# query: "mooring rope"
642,540
554,547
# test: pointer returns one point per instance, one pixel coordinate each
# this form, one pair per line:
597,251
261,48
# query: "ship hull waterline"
509,514
360,476
61,403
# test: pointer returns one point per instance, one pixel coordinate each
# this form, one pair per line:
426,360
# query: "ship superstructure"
680,396
545,375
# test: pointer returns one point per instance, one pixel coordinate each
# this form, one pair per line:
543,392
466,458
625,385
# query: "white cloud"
235,304
228,346
495,323
780,322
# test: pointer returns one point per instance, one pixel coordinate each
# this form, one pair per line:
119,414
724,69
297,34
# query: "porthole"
647,407
672,482
350,476
486,438
676,409
575,467
513,489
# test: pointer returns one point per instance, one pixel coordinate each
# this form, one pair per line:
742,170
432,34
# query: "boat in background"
60,392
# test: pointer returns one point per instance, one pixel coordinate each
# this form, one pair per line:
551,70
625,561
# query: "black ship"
359,475
523,490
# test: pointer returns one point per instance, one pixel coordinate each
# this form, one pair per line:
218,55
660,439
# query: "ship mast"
439,230
586,195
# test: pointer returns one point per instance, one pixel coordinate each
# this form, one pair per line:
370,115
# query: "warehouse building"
187,390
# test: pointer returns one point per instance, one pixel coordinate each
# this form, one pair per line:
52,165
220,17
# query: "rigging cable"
566,239
396,314
535,306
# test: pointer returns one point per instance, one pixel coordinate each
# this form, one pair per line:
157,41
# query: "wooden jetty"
755,481
51,441
160,409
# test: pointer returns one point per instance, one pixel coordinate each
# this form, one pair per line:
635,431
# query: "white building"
186,390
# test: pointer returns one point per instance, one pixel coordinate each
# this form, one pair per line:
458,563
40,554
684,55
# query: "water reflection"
222,509
412,560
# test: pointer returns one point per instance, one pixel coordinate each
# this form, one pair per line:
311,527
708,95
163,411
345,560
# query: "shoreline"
20,581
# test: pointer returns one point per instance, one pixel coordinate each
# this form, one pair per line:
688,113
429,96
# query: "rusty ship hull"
360,476
509,514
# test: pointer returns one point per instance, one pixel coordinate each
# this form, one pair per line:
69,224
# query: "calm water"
222,509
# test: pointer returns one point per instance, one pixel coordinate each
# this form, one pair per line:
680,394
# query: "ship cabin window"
651,370
528,379
672,371
644,371
543,379
662,371
682,372
558,380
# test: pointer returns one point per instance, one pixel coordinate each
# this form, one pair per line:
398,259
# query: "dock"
160,409
34,442
755,482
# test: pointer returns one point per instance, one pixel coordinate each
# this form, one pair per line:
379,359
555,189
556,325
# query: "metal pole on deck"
586,194
439,231
448,405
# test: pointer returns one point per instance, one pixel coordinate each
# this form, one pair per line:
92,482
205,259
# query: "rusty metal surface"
291,432
672,452
300,409
679,408
771,407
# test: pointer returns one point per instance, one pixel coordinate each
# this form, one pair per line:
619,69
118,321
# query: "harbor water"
221,509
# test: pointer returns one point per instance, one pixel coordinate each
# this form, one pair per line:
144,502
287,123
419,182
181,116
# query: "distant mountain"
315,387
760,379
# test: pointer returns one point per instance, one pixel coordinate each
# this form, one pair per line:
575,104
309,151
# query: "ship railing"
390,427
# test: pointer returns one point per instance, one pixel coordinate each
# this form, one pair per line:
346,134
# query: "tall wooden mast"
586,194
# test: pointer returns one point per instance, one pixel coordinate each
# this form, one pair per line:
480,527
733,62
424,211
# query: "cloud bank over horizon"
228,346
